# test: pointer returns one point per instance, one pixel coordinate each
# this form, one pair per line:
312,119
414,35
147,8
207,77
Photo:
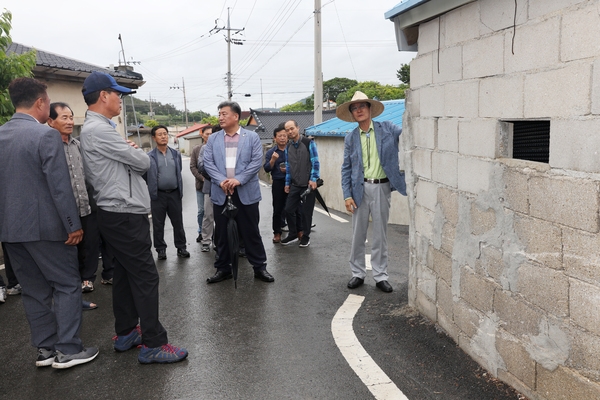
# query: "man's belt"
167,191
384,180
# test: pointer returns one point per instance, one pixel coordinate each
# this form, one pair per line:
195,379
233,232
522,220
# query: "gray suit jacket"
387,137
36,198
248,163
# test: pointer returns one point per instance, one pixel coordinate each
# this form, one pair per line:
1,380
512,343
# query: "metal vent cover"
531,140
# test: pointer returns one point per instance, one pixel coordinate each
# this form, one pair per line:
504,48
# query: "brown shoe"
277,238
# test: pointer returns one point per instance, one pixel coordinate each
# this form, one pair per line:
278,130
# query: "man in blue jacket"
232,159
370,172
166,191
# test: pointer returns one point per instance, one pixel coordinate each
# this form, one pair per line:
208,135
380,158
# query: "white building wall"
505,254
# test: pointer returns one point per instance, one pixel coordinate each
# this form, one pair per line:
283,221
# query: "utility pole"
318,106
261,96
184,100
184,103
229,40
151,112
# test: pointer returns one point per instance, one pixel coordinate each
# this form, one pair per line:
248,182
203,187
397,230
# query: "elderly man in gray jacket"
114,167
370,172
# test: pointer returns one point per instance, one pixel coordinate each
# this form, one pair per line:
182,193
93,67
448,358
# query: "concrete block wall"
505,253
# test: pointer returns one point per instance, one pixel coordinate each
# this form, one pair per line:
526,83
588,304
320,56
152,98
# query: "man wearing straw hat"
370,172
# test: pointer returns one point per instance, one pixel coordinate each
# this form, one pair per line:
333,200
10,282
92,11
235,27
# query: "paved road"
261,341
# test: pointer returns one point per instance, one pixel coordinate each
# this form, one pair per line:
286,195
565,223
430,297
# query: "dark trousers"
10,275
90,248
247,219
279,200
167,204
48,274
291,209
135,280
86,254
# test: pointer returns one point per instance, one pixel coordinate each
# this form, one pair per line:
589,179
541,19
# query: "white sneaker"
2,294
15,290
87,286
63,361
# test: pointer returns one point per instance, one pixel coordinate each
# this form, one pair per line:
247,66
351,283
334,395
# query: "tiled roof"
193,128
268,121
50,63
394,110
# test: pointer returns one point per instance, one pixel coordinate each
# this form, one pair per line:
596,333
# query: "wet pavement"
261,341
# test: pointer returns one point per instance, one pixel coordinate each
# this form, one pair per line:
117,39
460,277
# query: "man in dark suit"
232,159
39,222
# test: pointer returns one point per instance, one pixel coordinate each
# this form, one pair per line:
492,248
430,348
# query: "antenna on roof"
122,51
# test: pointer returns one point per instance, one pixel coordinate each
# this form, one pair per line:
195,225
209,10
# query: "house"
329,137
265,122
64,77
192,136
501,138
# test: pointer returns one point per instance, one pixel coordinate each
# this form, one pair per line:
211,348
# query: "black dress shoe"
162,254
384,286
199,238
183,253
264,276
219,276
355,282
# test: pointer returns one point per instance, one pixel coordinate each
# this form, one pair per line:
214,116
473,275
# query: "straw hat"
343,112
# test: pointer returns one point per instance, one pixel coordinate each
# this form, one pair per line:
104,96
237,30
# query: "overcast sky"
172,40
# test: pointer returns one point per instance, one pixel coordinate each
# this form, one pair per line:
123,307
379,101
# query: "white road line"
333,216
380,385
368,262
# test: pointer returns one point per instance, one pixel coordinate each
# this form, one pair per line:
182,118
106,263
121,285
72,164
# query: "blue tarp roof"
403,7
394,110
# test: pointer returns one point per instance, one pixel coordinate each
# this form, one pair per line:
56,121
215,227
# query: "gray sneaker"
2,294
17,289
62,361
45,357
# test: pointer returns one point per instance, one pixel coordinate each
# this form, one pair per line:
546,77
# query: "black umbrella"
317,195
230,211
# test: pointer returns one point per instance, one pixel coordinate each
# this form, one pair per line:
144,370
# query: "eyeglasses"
358,107
114,91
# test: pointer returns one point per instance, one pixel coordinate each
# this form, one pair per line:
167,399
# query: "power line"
278,50
344,37
272,29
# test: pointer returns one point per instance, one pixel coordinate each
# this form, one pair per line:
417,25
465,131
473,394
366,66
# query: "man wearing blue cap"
114,167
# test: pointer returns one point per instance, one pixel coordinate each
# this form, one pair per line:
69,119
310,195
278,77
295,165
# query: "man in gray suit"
370,172
232,159
39,223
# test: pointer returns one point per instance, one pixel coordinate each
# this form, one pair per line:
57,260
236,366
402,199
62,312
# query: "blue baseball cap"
100,81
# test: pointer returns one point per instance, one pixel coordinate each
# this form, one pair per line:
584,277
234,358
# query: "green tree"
211,119
307,104
197,116
151,123
297,106
335,86
374,90
404,73
11,66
